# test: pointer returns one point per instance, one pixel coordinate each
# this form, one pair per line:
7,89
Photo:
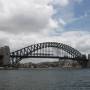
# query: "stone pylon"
4,55
88,64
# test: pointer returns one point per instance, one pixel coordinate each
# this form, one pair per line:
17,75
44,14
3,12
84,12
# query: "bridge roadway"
53,57
81,61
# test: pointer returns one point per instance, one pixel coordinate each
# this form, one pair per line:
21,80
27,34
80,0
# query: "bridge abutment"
88,65
83,61
4,56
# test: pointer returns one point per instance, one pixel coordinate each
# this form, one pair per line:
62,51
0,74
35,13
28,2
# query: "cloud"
63,12
62,3
65,3
77,39
62,21
25,15
34,20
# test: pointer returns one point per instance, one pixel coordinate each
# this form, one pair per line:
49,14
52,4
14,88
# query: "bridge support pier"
88,65
59,63
4,56
83,63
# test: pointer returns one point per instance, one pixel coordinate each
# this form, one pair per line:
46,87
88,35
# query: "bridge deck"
52,57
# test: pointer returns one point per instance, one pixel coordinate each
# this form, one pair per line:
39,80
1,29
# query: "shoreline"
57,68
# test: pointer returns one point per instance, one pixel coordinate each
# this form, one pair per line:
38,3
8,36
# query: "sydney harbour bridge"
52,50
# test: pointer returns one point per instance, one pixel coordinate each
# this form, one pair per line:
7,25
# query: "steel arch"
16,56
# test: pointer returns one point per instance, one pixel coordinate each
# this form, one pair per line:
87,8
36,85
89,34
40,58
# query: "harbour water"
45,79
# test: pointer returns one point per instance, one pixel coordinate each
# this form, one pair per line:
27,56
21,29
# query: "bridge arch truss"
18,55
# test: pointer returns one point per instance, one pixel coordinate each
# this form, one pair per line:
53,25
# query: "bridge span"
44,50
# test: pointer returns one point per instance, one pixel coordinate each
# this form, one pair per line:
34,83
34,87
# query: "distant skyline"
24,22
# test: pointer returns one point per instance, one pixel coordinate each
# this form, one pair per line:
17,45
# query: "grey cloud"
83,46
25,17
23,23
4,42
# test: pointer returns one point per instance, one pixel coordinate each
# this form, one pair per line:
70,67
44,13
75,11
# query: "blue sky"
79,21
82,8
82,13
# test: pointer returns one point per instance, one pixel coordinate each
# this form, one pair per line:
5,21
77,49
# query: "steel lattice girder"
32,48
